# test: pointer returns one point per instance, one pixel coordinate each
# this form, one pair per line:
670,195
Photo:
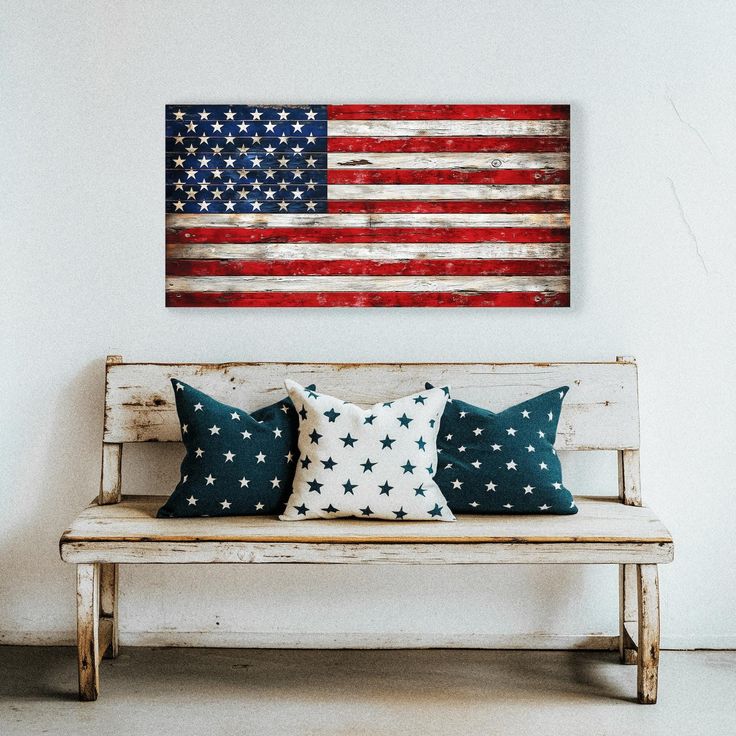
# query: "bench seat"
604,530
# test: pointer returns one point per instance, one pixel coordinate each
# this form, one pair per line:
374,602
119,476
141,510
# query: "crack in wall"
689,125
688,227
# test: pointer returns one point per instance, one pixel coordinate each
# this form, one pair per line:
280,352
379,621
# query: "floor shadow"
489,676
38,673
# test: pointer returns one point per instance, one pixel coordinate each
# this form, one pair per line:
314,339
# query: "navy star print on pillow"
373,463
503,463
236,463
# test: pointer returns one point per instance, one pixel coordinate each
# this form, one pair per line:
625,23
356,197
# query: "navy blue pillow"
236,463
503,463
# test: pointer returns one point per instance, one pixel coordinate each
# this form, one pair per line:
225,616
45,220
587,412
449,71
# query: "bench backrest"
600,412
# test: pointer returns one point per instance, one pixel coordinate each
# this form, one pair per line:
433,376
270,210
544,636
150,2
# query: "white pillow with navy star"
375,463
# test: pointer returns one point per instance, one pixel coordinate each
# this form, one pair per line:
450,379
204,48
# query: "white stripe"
449,191
442,160
365,251
446,127
465,284
494,219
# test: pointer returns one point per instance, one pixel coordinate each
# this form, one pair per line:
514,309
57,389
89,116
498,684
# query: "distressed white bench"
600,413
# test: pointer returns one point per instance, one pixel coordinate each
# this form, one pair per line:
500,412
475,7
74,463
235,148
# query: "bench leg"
628,613
109,605
88,630
648,649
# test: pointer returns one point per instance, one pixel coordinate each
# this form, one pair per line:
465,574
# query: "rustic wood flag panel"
367,205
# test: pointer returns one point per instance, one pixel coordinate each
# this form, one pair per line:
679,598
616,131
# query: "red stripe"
461,144
448,112
448,176
436,207
369,235
419,267
366,299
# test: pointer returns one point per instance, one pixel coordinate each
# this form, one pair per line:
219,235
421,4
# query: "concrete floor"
304,692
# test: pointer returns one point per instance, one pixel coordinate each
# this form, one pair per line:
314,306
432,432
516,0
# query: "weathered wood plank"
388,206
447,127
186,229
111,479
364,267
105,638
406,299
454,144
628,611
443,160
243,284
467,175
363,553
629,492
109,605
446,112
450,191
600,519
368,251
88,642
471,219
648,643
600,412
629,488
110,476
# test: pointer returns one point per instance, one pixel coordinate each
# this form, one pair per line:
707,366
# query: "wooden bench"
600,413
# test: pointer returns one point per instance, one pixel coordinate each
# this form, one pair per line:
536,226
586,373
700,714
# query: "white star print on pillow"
375,463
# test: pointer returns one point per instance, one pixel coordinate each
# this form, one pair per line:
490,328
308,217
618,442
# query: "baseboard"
361,640
324,640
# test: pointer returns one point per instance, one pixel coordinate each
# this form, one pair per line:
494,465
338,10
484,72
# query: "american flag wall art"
367,205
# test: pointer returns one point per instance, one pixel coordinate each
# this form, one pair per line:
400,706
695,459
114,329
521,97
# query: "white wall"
81,169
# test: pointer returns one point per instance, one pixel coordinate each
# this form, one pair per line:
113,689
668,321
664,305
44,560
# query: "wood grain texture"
355,251
455,144
629,492
402,128
322,284
111,478
449,112
450,191
359,220
629,479
105,638
344,206
109,606
466,175
600,520
648,643
628,612
88,642
494,160
363,553
189,231
367,299
600,411
366,267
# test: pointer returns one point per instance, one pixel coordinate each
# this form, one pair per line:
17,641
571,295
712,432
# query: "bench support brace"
628,613
96,623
